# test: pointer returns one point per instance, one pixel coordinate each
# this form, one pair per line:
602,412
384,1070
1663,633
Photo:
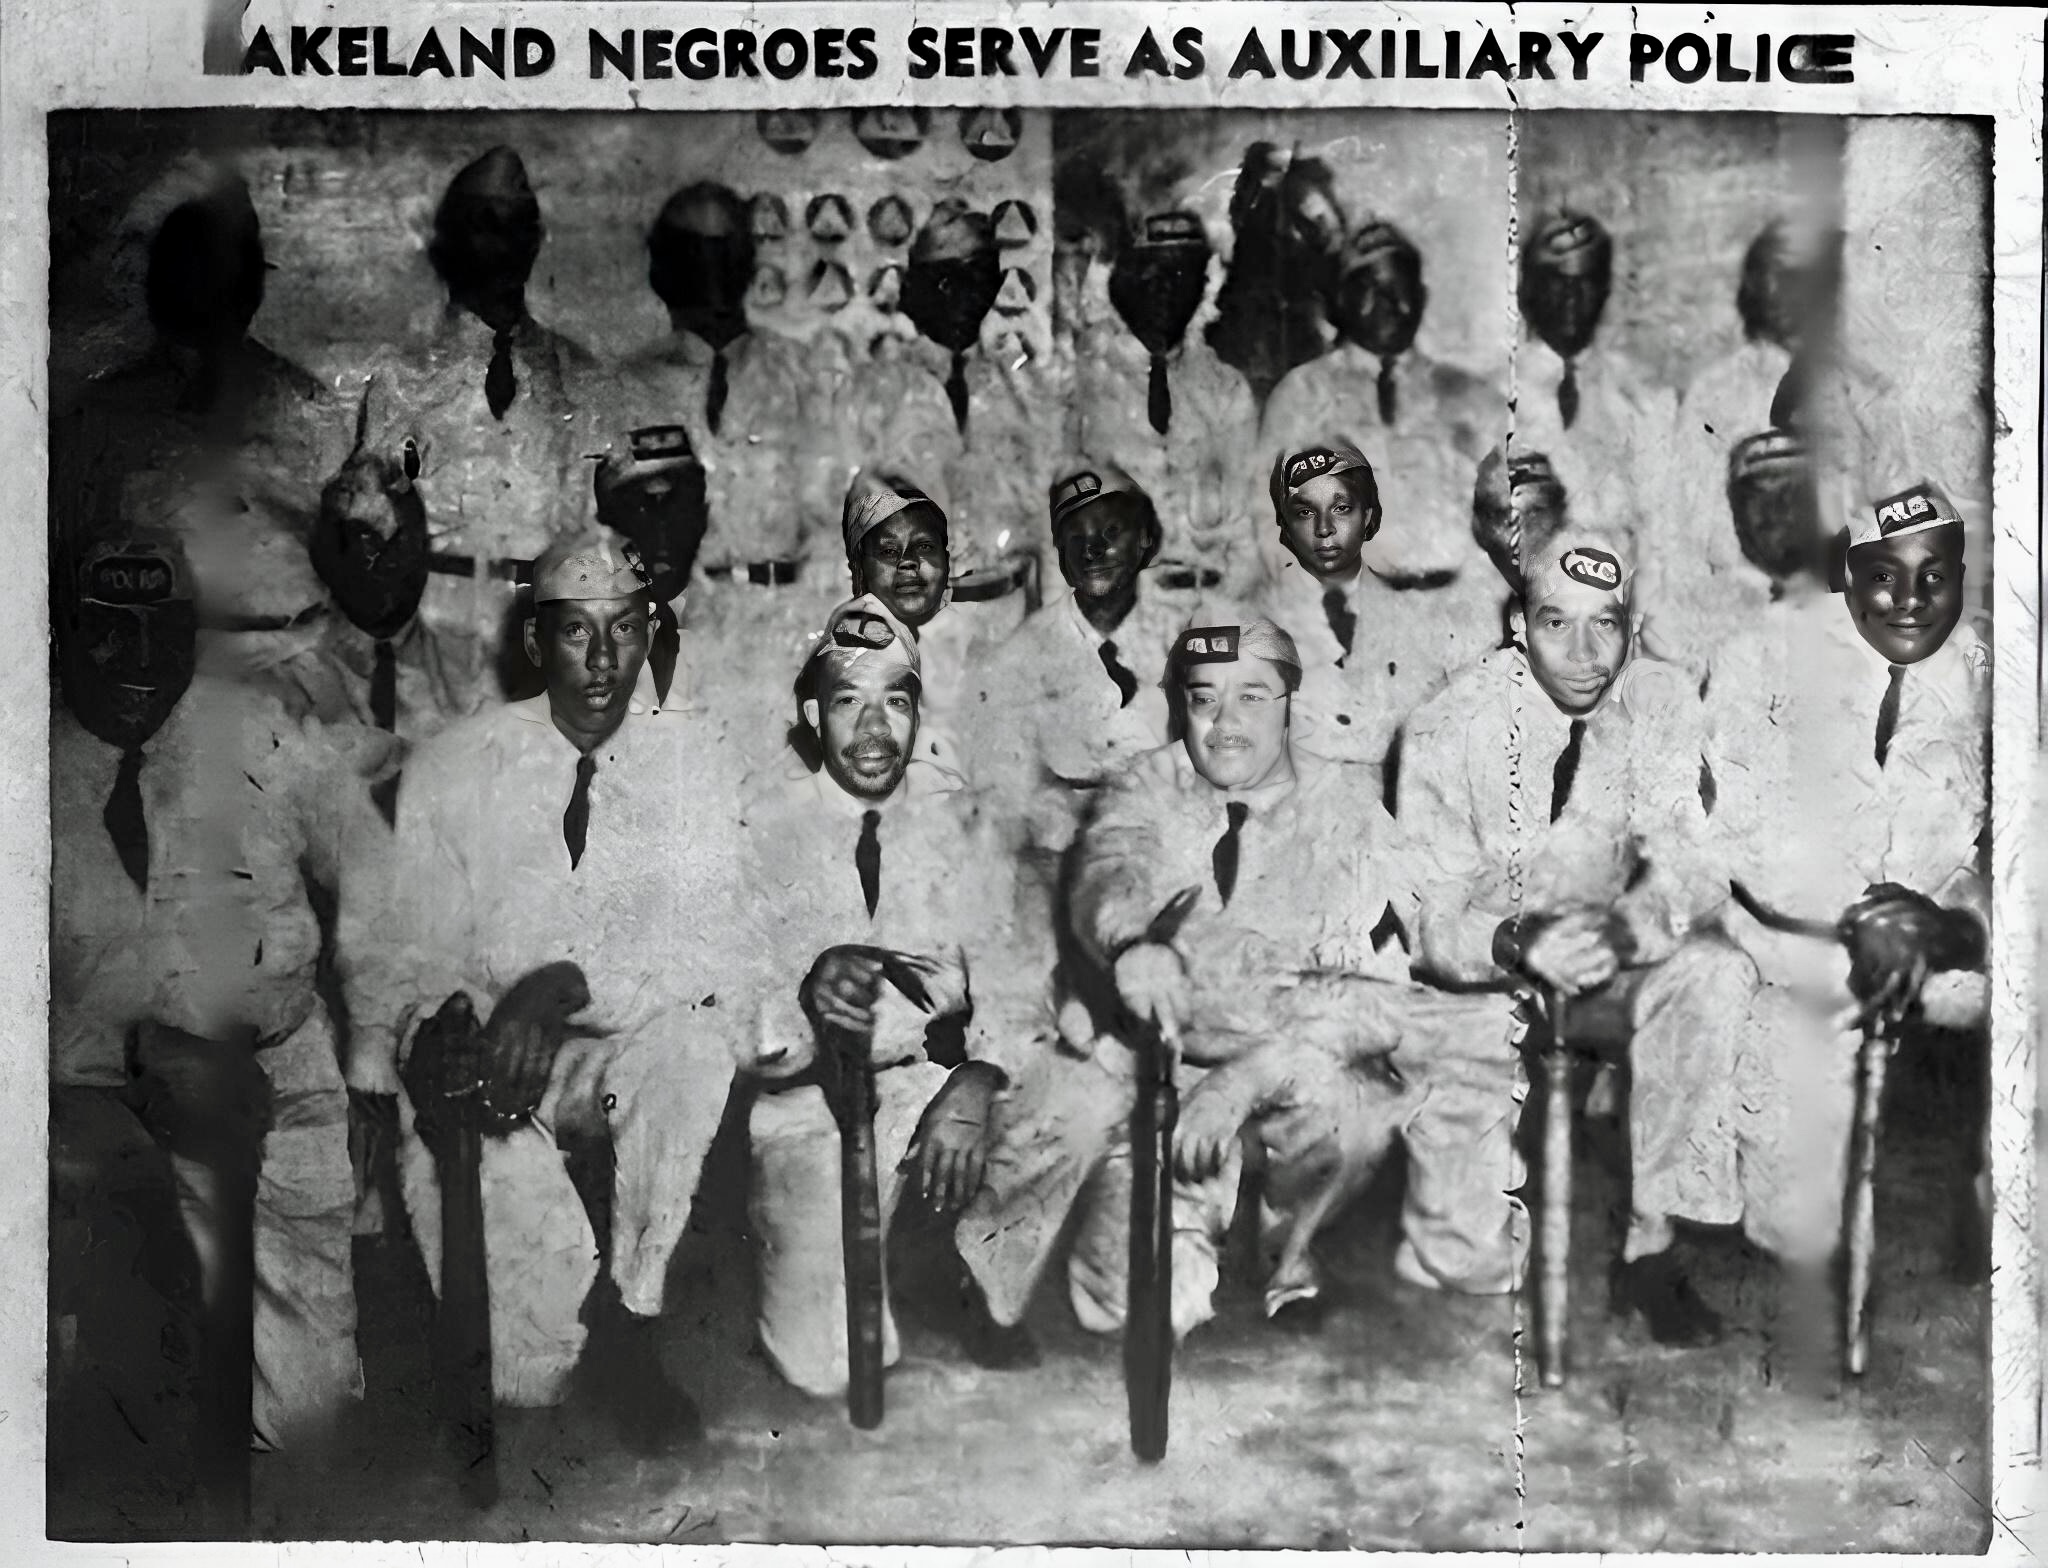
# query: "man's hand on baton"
525,1035
841,989
1572,954
1153,983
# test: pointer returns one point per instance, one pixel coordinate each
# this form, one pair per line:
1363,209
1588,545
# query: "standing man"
1848,751
493,401
562,863
1283,980
884,911
942,406
1374,646
1430,421
1606,431
206,403
1552,795
1149,388
188,813
899,548
371,659
757,407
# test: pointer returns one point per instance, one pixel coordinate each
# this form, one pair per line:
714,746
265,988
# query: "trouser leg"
1797,1091
1688,1017
1052,1134
795,1214
306,1366
1462,1227
1323,1139
539,1249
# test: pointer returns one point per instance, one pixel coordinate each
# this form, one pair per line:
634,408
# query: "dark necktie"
1566,770
1788,403
956,389
1568,394
1888,712
384,686
666,649
1343,624
576,820
867,858
1224,857
1386,392
1159,396
126,825
714,392
499,383
1126,680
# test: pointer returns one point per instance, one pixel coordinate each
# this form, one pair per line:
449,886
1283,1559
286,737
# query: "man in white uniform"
883,911
563,863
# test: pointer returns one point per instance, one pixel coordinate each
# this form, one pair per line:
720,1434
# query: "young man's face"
1907,592
866,716
1236,722
904,563
1101,546
591,652
1325,526
1578,640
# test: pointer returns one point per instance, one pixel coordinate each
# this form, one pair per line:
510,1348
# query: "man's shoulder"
1465,692
1649,687
455,750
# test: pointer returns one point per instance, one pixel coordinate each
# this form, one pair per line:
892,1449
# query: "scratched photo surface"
1161,828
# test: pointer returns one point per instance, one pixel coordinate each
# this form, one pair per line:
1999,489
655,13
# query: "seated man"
189,815
1376,641
1552,794
1848,754
544,868
1246,898
884,911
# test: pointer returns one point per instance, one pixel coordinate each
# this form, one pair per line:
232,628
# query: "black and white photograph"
954,813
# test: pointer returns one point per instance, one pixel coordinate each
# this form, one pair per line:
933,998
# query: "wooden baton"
1879,1038
1554,1282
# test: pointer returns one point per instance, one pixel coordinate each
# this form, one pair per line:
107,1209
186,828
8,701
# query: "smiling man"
1552,794
1848,751
1376,638
544,856
883,910
1248,898
898,548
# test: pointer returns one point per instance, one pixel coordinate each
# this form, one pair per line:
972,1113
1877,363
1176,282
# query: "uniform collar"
641,705
1196,789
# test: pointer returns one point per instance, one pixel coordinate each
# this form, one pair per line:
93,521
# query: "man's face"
591,652
1326,527
124,668
1578,639
1907,592
904,563
1101,547
866,716
1379,309
1236,722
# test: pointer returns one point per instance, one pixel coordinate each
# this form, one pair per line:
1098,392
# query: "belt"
1763,914
1173,574
763,574
467,566
265,623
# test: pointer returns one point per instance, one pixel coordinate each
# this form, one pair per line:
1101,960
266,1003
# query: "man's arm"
1116,890
1684,882
1460,891
405,936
